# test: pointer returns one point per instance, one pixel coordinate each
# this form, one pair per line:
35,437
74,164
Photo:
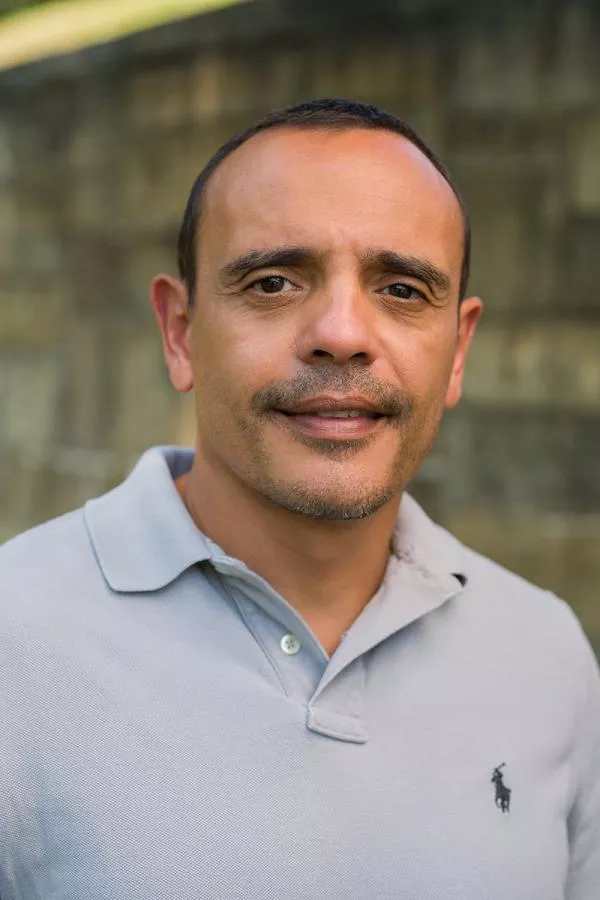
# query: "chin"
314,501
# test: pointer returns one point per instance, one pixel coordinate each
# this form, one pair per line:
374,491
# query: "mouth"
333,418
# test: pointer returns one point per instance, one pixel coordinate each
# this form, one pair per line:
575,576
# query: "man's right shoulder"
46,560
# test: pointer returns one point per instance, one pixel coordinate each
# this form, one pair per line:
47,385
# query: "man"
259,670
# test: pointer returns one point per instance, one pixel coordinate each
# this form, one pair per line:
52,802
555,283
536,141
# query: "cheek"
210,363
422,362
231,364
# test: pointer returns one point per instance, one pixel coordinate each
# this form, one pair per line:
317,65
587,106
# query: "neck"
328,571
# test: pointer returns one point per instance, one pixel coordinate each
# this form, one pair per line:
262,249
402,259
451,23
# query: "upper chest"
153,771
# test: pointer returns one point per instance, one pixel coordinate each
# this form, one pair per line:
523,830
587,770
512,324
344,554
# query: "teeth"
341,414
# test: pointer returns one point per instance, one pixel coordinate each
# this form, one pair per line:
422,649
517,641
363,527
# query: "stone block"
420,76
37,246
66,477
584,165
32,312
86,389
493,63
549,364
18,509
30,396
574,75
156,178
58,491
145,259
92,205
512,142
250,85
398,72
511,57
352,69
160,96
145,406
516,233
576,290
245,84
207,86
8,228
88,144
101,114
237,85
522,458
7,153
96,271
327,68
285,78
204,140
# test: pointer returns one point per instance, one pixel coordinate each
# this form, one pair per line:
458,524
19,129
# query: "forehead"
333,191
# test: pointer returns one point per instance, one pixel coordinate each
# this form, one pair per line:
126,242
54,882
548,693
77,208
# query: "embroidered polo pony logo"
502,792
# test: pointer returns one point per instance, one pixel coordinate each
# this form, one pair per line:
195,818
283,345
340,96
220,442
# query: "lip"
335,403
313,426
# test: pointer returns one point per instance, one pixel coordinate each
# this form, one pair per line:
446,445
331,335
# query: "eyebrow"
411,266
387,260
264,259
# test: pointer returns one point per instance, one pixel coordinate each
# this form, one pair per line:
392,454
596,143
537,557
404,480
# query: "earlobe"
170,304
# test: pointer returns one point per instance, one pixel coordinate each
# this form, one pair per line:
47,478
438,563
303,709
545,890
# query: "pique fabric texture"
170,728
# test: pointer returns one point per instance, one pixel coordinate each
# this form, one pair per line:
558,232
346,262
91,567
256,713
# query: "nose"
339,324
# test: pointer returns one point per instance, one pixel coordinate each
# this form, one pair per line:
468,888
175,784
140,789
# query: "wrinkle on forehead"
331,190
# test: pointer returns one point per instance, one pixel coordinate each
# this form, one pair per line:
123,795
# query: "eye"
271,284
402,291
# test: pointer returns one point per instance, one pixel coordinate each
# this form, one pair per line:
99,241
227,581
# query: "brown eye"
403,291
272,284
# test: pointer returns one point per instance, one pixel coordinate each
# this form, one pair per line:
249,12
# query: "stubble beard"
330,501
335,497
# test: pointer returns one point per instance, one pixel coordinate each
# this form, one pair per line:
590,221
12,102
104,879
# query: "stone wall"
97,154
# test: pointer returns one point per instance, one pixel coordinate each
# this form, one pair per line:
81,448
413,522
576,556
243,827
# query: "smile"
334,424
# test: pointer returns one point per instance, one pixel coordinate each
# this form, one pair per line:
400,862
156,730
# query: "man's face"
326,337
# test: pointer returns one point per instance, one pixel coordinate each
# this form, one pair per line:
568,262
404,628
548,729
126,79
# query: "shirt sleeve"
583,881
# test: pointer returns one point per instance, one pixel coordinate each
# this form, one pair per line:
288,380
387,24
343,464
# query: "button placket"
337,710
299,673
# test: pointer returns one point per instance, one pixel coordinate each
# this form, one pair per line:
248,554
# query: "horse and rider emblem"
502,792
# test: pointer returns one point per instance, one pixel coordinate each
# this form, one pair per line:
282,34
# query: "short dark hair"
326,114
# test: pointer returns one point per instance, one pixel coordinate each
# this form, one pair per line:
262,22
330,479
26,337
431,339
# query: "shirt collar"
427,546
142,534
144,537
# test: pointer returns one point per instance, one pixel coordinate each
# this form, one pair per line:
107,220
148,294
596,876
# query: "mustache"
324,380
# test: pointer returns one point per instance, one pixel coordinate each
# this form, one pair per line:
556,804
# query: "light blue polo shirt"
170,728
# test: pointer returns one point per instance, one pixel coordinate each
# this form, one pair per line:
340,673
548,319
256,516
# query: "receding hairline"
327,115
325,128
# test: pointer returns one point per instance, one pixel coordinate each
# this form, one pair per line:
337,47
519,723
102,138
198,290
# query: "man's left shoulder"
512,604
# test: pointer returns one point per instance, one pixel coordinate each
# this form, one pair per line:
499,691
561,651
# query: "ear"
468,316
171,306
